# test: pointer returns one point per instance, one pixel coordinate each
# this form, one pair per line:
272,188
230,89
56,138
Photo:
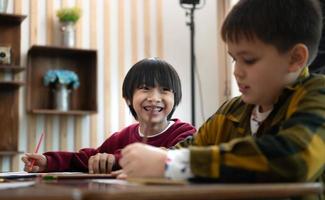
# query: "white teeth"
151,108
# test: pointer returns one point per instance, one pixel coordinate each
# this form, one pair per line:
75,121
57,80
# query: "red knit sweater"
78,161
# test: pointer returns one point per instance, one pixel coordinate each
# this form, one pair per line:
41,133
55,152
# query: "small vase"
3,6
61,97
68,34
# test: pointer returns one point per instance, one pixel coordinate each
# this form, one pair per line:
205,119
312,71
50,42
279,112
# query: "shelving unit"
9,89
82,61
11,68
11,84
10,153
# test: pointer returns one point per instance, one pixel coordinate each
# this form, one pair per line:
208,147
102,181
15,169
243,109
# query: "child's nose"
154,95
238,72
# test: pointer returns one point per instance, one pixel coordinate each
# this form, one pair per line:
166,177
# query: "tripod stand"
190,12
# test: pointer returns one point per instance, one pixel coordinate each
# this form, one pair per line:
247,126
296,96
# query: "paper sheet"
16,175
141,181
75,175
156,181
9,185
113,181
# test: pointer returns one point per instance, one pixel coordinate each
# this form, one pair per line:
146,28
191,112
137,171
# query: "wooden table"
88,190
41,192
209,192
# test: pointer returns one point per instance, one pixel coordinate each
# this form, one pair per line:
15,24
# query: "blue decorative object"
64,77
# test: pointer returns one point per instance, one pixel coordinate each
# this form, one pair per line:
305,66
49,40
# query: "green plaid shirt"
288,146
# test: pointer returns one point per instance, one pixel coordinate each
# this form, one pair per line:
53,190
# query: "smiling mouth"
243,87
153,108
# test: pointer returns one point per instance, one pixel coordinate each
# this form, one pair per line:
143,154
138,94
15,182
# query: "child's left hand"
140,160
101,163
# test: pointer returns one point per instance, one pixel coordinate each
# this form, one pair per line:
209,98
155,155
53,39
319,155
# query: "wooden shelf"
11,83
82,61
57,112
11,68
10,153
11,19
9,93
10,34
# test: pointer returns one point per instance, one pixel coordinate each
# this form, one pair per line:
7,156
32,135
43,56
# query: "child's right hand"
40,163
101,163
119,174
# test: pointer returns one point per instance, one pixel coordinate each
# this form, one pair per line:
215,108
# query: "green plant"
69,14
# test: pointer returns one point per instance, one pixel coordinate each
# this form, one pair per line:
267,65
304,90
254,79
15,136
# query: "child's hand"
101,163
140,160
119,174
40,163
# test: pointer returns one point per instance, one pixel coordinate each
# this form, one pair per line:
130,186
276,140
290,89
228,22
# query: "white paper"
9,185
17,175
113,181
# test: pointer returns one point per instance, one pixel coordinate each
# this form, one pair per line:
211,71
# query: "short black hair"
282,23
150,72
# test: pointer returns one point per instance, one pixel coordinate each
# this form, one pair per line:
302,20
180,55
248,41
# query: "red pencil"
36,150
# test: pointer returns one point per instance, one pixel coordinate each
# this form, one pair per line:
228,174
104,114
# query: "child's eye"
250,61
167,89
144,87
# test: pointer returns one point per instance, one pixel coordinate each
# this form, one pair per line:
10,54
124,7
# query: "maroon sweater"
78,161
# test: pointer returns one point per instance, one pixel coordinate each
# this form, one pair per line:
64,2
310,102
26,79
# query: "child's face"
260,71
153,104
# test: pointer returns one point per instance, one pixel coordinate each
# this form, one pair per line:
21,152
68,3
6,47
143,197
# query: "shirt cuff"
177,166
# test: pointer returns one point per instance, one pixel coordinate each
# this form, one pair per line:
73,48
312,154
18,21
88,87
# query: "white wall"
177,51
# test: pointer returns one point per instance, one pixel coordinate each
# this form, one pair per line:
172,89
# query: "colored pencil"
36,149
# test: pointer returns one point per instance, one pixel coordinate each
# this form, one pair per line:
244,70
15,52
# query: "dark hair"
150,72
282,23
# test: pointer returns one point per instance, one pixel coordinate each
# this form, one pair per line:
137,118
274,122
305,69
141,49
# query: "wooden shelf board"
11,18
11,68
12,83
10,153
57,112
59,50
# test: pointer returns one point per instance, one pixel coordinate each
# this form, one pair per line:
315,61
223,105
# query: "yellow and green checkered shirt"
288,146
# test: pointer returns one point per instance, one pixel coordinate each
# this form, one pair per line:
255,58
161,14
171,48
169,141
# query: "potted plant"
62,82
68,18
69,14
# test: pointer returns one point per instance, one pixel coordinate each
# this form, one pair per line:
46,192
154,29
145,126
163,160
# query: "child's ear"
299,57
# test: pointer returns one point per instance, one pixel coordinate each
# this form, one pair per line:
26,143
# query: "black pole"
192,32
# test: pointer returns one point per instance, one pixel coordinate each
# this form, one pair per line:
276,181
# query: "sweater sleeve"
78,161
185,132
69,161
114,144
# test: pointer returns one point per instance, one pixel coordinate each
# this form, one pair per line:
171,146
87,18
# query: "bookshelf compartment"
83,62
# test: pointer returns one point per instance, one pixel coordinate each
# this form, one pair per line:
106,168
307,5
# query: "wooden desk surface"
209,191
88,190
40,192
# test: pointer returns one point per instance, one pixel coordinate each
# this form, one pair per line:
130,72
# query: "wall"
123,31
